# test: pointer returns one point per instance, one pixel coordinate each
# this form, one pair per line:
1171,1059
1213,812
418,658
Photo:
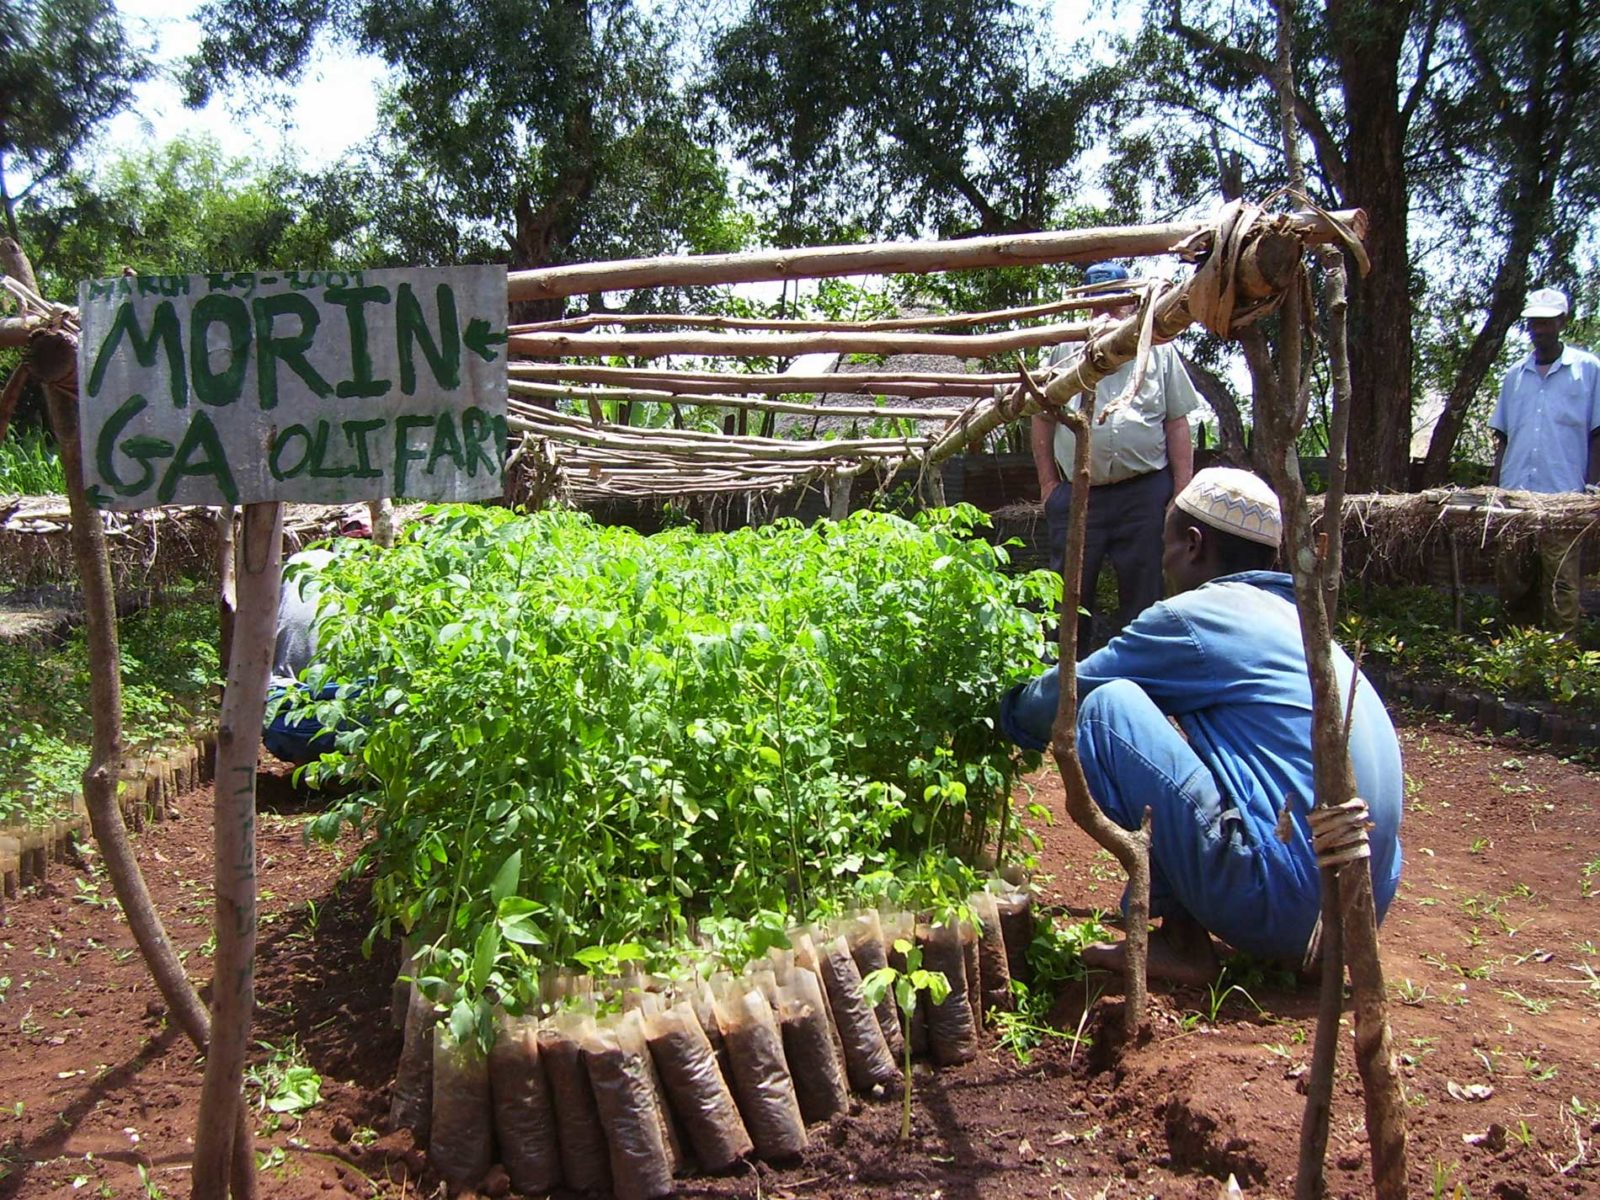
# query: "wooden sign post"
253,388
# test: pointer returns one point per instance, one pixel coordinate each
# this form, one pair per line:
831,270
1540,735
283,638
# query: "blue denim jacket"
1226,661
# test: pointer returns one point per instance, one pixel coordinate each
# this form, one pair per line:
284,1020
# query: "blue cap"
1105,272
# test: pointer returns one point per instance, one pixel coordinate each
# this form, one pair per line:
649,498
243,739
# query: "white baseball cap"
1545,302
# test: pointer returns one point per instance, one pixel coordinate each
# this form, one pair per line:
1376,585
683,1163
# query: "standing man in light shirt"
1140,457
1546,429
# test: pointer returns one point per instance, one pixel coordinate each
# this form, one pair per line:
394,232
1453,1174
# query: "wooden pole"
839,498
1006,250
238,750
553,391
890,383
381,514
1097,298
709,445
227,592
660,345
1130,847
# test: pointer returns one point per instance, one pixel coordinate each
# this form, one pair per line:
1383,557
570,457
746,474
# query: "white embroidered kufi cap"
1234,501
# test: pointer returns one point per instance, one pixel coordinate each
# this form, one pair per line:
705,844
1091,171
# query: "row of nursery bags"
700,1075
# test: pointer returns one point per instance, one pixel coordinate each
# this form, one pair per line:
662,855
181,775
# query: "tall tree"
1537,168
1454,123
543,130
66,67
901,116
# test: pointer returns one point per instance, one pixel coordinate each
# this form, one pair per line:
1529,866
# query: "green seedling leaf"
484,955
506,878
297,1091
878,984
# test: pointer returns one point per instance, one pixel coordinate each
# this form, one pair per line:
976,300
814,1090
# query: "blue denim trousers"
292,734
1202,860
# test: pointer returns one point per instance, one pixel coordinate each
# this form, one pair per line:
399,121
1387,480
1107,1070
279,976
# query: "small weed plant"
907,985
1412,629
29,465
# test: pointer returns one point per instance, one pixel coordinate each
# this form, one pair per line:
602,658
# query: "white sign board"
317,386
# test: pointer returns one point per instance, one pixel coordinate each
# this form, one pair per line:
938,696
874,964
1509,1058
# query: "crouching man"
1221,656
292,731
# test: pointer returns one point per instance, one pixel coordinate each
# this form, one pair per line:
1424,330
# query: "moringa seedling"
907,986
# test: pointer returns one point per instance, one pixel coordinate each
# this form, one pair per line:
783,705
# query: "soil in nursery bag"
761,1082
952,1034
993,967
974,969
867,1060
585,1158
524,1118
863,932
808,1045
696,1089
461,1138
618,1062
1016,927
804,945
413,1078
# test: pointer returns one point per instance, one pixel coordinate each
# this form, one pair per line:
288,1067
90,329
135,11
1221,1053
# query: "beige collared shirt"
1131,441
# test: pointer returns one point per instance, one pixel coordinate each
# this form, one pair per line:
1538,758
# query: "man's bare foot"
1183,957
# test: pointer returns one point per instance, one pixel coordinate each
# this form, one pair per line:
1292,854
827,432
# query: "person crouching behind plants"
292,733
1222,656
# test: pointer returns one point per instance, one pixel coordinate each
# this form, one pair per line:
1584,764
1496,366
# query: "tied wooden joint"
1339,832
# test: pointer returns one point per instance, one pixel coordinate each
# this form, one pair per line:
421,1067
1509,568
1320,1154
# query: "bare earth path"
1492,949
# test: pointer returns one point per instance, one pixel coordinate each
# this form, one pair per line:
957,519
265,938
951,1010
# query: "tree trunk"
238,749
1370,40
1230,424
1545,132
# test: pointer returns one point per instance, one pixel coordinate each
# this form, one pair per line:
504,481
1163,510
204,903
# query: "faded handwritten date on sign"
319,386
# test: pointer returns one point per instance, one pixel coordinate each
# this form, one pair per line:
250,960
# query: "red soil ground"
1490,950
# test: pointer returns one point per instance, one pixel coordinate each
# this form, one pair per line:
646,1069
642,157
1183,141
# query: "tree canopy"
540,130
66,67
183,208
902,116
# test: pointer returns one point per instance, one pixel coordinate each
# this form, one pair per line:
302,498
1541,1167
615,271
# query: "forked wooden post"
52,360
1280,415
1130,847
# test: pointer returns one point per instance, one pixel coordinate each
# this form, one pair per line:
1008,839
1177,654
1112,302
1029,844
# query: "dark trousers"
1125,521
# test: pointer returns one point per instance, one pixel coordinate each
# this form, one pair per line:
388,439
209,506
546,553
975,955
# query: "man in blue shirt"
1546,429
1223,658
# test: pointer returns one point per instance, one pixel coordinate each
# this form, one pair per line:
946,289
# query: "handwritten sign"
318,386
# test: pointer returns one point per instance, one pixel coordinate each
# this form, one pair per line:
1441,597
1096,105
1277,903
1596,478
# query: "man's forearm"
1500,453
1180,453
1592,475
1042,440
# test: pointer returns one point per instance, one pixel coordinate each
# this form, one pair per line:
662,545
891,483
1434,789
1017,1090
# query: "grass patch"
169,670
29,465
